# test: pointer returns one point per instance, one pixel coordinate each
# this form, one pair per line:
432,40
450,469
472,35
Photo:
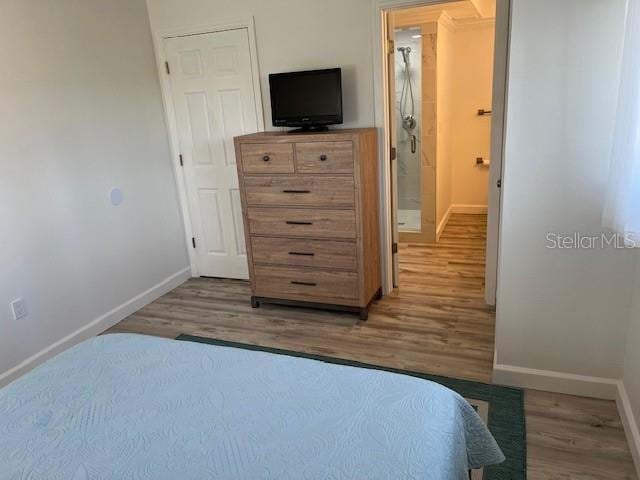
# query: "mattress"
138,407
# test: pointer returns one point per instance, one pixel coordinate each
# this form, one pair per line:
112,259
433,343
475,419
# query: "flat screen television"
311,99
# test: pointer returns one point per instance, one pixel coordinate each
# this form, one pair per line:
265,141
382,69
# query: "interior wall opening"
441,101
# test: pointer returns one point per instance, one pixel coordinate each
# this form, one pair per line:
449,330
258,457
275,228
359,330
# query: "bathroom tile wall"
409,174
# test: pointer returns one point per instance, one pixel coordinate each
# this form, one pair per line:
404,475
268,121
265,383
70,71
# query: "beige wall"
465,72
631,376
561,310
429,119
445,74
294,35
81,114
470,133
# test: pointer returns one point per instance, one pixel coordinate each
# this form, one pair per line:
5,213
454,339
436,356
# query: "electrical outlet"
19,309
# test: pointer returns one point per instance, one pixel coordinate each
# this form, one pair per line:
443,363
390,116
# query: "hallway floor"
436,322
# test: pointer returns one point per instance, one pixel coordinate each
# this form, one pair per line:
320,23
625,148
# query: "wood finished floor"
436,322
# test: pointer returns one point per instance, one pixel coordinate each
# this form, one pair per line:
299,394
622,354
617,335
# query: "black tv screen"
306,99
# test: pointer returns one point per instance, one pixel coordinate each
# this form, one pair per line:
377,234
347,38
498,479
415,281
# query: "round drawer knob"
323,157
266,158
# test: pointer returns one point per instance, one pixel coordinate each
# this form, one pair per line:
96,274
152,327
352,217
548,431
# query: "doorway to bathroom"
441,65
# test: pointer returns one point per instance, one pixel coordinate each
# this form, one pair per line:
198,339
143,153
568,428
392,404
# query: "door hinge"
166,67
193,242
393,154
390,47
394,248
181,162
499,183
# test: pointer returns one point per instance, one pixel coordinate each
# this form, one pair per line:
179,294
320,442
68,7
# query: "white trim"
159,37
475,23
629,423
98,325
469,209
378,8
443,223
445,20
558,382
502,35
581,385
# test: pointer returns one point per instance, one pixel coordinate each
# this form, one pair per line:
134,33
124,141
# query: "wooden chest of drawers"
310,208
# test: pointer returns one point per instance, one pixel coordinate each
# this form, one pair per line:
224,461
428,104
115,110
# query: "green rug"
505,407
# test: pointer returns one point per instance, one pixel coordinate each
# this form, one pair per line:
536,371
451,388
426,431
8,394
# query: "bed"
137,407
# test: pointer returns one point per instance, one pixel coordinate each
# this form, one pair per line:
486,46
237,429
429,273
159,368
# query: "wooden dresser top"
284,137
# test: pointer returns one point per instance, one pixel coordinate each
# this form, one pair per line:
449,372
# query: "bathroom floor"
409,220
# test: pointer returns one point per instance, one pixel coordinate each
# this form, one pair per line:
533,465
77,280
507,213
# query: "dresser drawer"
303,252
302,222
324,157
321,191
265,158
306,284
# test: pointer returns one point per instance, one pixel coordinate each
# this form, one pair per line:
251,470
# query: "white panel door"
212,88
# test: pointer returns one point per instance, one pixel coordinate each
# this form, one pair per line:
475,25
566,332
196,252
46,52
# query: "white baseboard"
469,209
98,325
443,223
472,209
629,423
558,382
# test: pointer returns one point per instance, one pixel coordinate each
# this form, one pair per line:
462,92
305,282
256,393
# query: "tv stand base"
319,128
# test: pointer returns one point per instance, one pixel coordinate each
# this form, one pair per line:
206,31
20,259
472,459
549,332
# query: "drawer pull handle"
308,284
296,191
303,254
266,158
291,222
323,157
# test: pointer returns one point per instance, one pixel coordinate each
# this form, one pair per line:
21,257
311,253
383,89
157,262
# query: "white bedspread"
137,407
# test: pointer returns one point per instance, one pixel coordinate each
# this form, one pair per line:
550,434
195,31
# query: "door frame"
381,117
159,37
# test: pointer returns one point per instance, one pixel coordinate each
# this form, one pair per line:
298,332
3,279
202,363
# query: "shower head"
408,117
405,51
